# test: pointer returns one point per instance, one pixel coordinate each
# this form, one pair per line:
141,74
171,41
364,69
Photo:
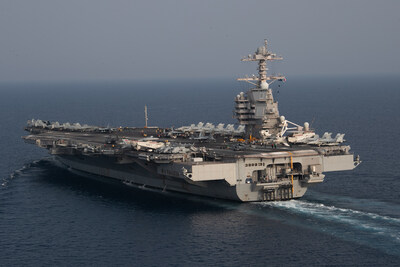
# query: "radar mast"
257,109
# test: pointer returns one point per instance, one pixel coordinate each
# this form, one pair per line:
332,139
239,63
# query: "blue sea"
50,216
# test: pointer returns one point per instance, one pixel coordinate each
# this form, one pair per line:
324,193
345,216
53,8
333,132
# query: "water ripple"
367,228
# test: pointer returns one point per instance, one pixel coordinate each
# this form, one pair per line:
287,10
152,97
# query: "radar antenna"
262,55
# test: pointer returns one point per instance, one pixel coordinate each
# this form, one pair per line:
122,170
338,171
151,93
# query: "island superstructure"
257,109
265,158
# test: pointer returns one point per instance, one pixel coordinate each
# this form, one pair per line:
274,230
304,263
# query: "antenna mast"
262,55
145,115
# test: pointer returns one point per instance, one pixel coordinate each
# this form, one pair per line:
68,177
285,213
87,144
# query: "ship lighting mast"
146,118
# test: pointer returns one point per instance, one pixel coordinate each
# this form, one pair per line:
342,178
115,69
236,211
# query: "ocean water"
51,216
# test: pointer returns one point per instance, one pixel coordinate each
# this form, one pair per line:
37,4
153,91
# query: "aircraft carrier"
264,158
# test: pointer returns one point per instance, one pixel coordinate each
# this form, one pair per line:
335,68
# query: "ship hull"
136,175
253,162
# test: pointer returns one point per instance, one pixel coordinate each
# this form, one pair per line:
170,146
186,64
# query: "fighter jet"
239,131
208,128
327,140
175,133
219,129
202,137
105,129
198,127
187,128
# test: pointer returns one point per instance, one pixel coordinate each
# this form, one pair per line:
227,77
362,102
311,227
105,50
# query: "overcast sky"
74,40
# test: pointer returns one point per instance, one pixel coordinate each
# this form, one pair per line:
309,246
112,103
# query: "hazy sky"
130,39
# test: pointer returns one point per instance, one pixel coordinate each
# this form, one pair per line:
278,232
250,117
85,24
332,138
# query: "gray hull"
136,175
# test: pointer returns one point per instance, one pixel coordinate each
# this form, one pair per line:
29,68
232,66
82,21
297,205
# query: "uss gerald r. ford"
265,158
